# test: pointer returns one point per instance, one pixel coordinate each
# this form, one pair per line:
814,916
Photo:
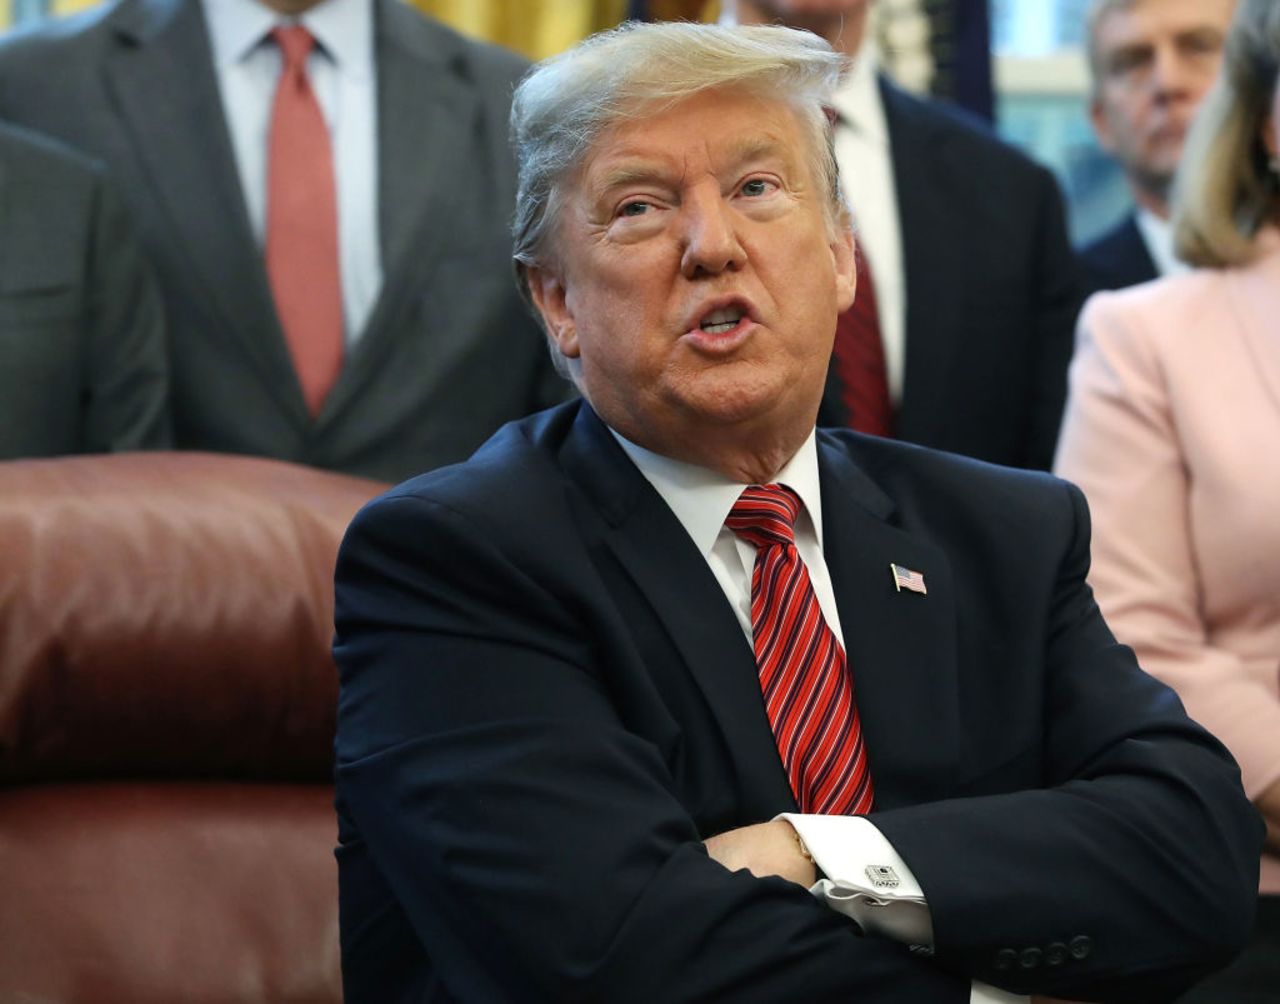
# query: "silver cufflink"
883,877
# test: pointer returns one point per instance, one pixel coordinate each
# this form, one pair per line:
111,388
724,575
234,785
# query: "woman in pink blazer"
1173,431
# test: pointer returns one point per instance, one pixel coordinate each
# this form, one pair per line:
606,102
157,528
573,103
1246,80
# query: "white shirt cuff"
866,879
869,882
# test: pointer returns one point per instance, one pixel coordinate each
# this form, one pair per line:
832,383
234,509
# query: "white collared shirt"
843,847
866,176
1157,235
343,76
701,500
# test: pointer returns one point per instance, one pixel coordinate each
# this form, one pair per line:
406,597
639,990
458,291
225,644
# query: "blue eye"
756,186
634,209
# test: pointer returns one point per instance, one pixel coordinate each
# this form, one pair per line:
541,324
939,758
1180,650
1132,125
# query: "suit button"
1005,959
1081,946
1056,953
1030,958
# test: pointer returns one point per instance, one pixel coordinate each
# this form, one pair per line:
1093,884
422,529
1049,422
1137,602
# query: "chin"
735,403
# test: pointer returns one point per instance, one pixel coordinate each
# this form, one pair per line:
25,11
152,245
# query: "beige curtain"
60,7
540,28
537,28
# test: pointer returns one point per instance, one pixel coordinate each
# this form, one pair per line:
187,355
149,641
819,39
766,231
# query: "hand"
764,849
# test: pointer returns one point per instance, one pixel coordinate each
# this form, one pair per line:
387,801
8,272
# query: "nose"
1171,74
710,235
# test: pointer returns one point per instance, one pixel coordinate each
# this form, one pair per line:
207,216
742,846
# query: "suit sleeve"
1134,867
127,372
1121,446
1058,294
532,841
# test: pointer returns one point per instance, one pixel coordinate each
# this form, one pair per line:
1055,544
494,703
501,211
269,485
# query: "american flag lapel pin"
906,578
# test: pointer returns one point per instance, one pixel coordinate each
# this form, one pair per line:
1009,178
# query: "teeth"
724,319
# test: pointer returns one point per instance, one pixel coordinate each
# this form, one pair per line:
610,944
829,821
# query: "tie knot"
765,515
295,43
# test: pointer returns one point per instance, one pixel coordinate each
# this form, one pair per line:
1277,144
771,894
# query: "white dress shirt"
866,176
342,73
1157,235
845,848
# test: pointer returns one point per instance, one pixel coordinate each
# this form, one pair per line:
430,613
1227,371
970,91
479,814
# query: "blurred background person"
324,190
1172,431
971,284
83,365
1151,63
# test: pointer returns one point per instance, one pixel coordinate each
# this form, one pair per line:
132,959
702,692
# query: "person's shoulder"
34,44
515,467
969,135
936,491
1161,304
1114,238
484,64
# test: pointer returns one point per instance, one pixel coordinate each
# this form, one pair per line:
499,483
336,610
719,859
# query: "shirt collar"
1157,234
857,97
344,29
701,499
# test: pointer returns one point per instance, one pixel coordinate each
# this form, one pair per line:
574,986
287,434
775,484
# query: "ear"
550,296
1101,127
846,264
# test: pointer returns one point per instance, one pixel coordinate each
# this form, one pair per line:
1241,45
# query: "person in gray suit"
175,96
82,341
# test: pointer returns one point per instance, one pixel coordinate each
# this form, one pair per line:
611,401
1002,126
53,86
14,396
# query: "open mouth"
719,321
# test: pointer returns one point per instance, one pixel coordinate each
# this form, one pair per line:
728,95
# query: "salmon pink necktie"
302,224
808,691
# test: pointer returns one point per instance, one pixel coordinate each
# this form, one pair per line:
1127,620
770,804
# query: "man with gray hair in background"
964,242
725,707
1151,62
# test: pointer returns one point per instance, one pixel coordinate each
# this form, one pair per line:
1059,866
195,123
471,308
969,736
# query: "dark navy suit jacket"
992,290
547,703
1117,259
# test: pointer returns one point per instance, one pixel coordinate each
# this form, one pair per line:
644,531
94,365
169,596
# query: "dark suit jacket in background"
1117,259
991,284
449,352
83,365
547,703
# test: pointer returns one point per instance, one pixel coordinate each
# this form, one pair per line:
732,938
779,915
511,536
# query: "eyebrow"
642,170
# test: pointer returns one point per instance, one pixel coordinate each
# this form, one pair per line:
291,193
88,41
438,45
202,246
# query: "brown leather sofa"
167,705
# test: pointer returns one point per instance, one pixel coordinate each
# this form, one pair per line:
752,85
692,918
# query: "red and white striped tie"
808,690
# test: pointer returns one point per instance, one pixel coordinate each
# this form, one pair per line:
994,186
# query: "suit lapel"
427,113
901,646
161,78
656,552
928,245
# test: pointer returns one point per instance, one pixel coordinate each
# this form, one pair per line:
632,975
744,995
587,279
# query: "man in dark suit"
1152,62
431,350
616,688
83,364
976,285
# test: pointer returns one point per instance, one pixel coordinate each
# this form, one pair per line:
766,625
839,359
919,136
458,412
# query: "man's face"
697,281
1155,60
812,15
